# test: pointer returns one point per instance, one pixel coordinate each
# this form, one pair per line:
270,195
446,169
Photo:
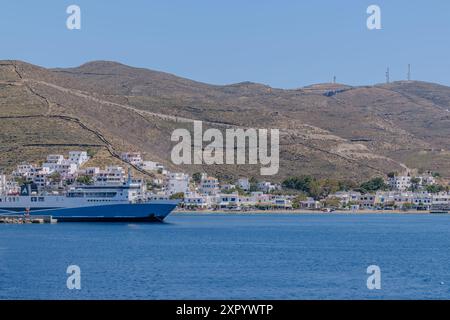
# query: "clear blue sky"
284,44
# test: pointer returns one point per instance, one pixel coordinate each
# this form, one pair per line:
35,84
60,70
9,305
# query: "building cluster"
58,172
54,171
206,192
209,193
390,200
406,182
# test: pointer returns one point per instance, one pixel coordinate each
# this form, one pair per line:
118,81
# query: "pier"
26,219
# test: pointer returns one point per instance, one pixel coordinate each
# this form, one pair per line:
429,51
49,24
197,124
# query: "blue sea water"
194,256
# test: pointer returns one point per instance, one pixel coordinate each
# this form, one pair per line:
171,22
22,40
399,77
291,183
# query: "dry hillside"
327,130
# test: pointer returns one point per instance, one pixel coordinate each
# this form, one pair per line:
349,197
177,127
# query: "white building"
346,197
41,180
401,183
441,199
57,163
244,184
267,186
132,157
151,166
422,199
177,183
65,168
282,203
366,201
91,171
209,186
24,170
78,157
229,201
55,158
310,203
228,187
111,175
202,201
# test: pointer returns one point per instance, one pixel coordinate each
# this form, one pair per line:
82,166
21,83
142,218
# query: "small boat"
439,211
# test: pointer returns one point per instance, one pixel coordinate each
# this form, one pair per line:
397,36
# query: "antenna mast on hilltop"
387,75
409,72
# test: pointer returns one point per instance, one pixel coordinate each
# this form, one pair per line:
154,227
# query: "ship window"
41,199
33,199
75,195
101,194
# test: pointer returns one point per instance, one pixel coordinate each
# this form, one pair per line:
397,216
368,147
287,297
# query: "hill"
327,130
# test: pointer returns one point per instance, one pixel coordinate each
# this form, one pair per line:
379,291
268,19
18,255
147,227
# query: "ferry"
97,202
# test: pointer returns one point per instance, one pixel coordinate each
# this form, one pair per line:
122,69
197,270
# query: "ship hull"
137,212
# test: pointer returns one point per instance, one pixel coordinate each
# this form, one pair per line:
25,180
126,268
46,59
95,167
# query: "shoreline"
299,211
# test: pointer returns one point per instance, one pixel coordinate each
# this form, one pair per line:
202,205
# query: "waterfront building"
422,200
310,203
282,203
366,201
441,199
346,197
229,201
200,201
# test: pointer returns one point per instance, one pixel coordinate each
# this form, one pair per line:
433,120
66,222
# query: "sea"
231,256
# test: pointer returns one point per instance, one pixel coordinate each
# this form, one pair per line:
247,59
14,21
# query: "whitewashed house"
132,157
177,183
209,185
244,184
112,175
229,201
228,187
201,201
400,183
78,157
24,170
151,166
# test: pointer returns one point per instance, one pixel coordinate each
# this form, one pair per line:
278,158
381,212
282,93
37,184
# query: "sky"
283,43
